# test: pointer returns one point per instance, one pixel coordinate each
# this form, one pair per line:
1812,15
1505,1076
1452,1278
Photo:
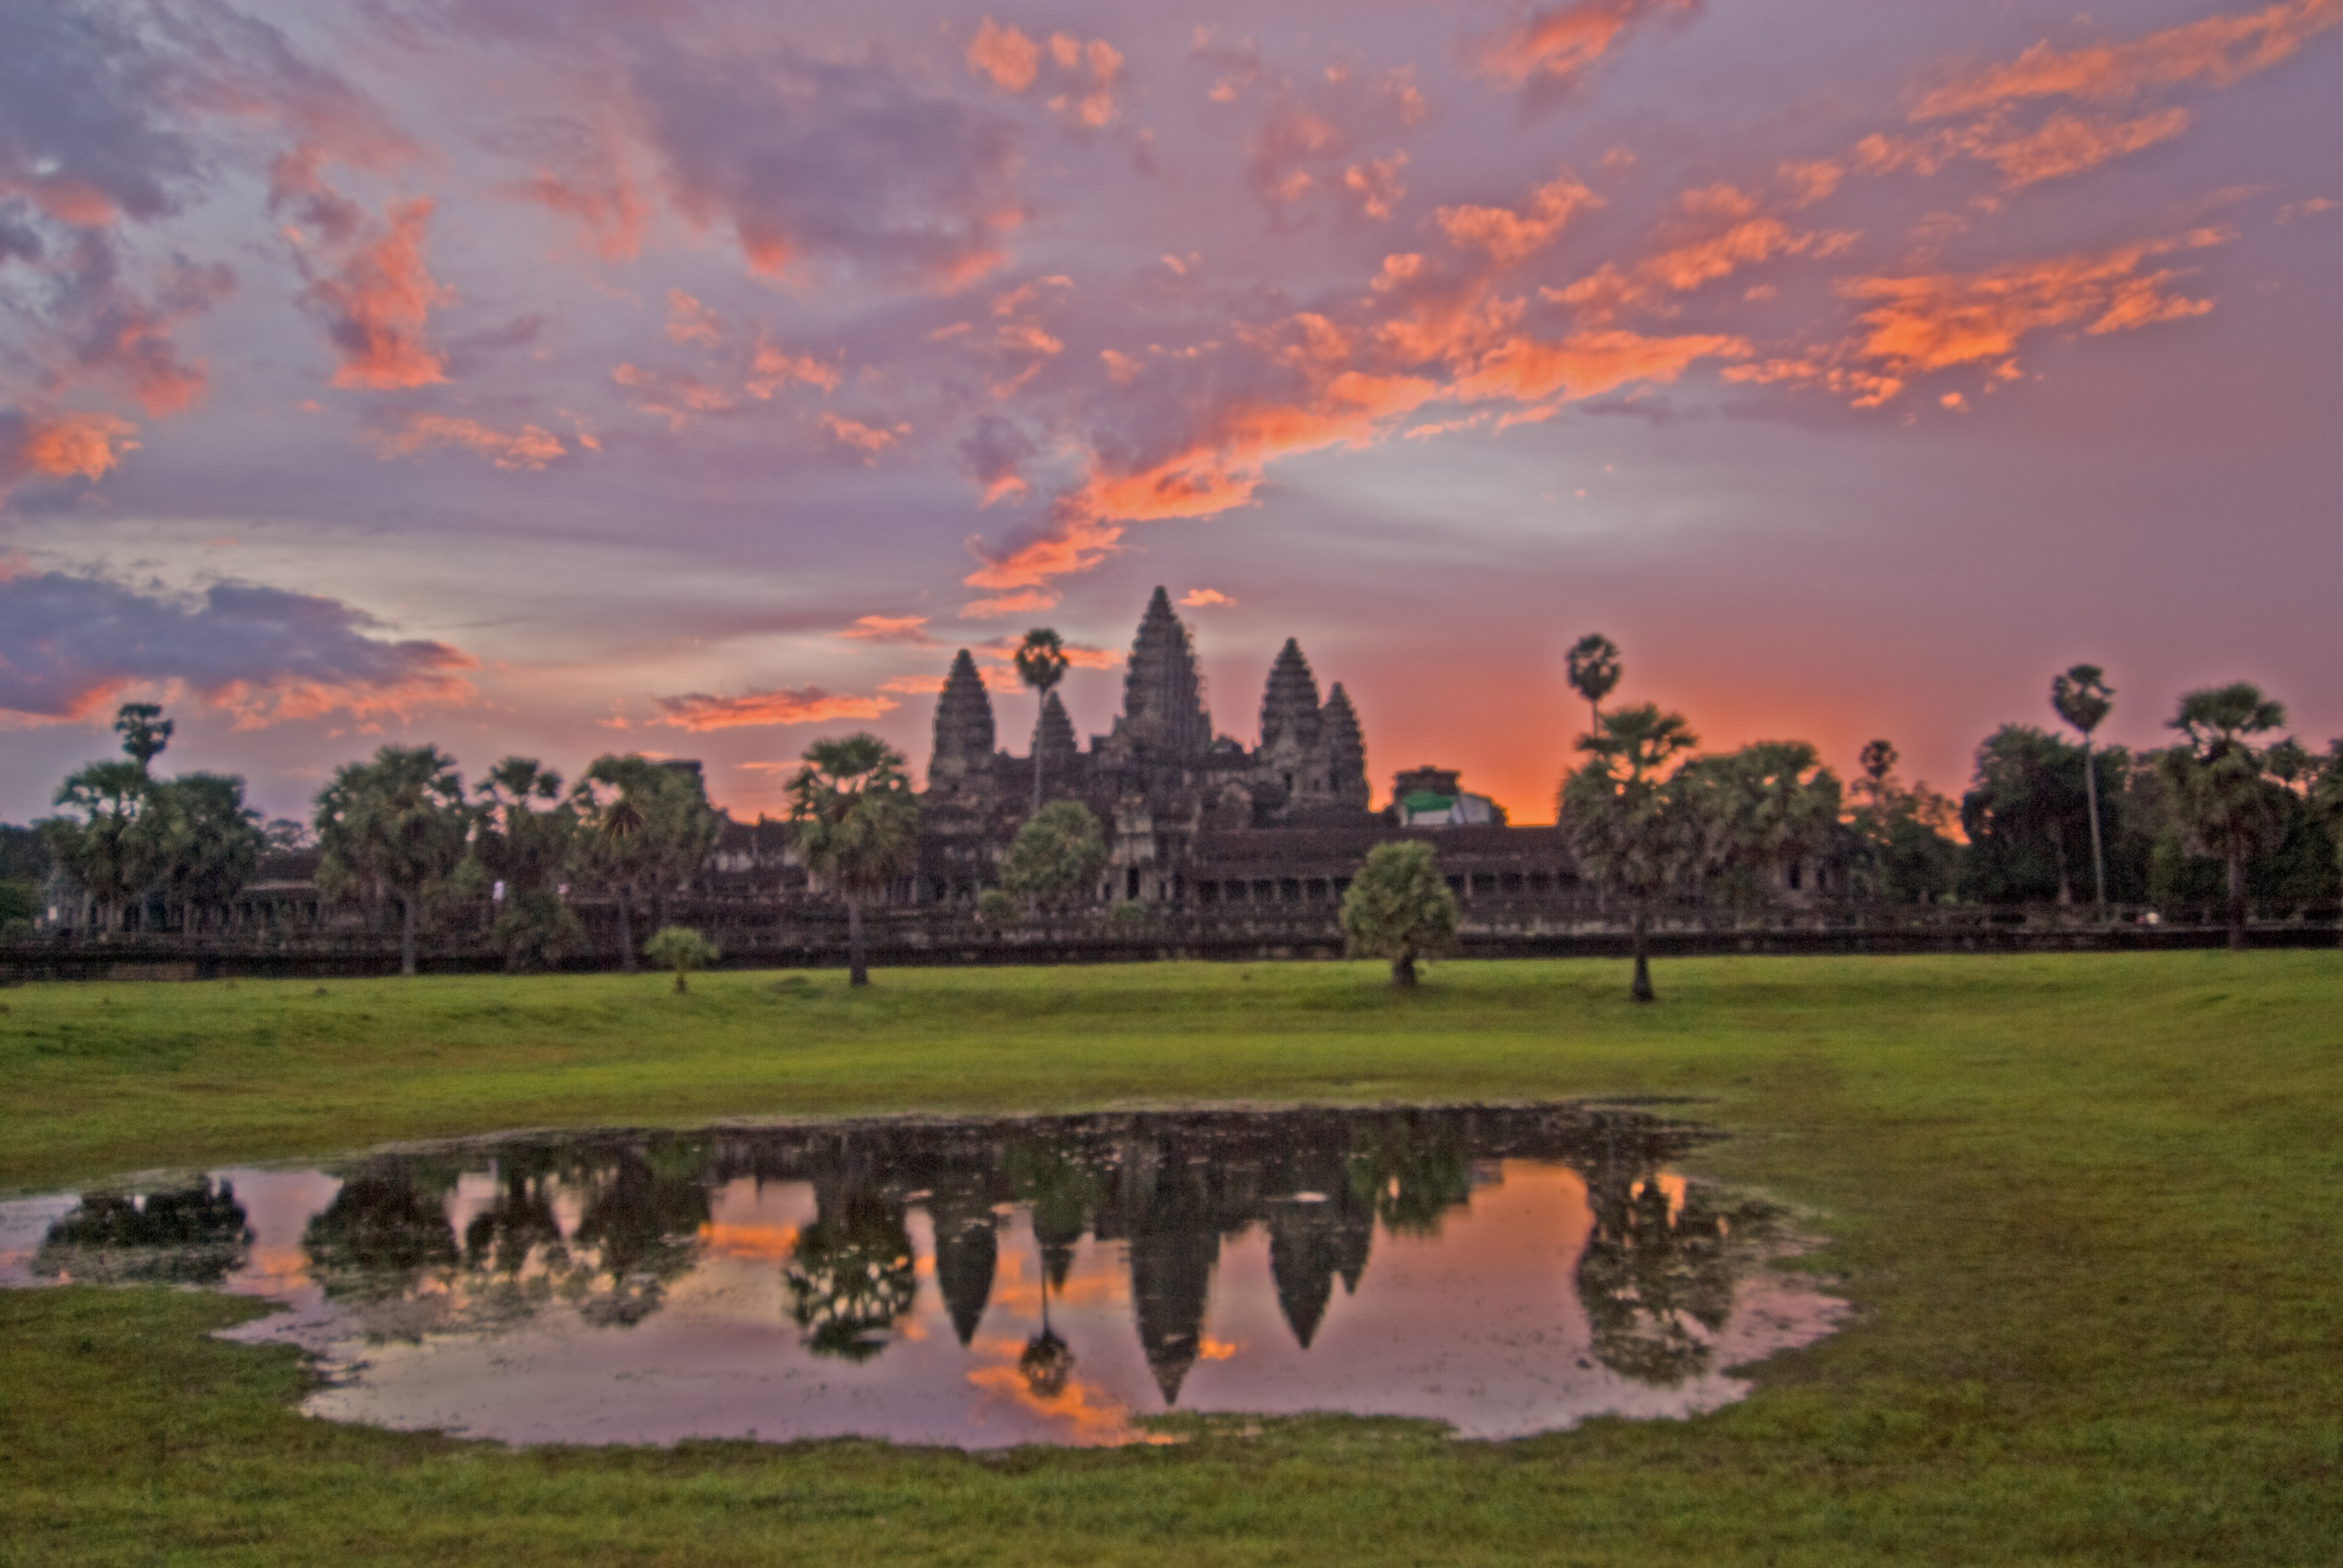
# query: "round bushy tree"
1399,906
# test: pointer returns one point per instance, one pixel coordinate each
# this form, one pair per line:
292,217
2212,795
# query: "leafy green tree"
1907,851
1593,673
1040,664
25,864
2220,784
850,1275
1629,823
111,837
855,825
1057,856
144,730
395,826
213,846
521,845
2082,698
643,831
1399,906
1758,812
682,950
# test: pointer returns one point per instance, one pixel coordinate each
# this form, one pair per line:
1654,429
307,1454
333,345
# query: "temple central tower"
1163,694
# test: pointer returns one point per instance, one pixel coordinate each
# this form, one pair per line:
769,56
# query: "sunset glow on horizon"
696,378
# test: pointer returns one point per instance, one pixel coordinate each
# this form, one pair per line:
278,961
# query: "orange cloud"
528,449
1196,599
599,193
697,710
1508,235
2065,143
1025,601
1934,321
771,369
1566,41
689,321
1005,54
1747,236
86,444
870,439
1589,364
673,397
1377,184
2220,50
905,630
376,303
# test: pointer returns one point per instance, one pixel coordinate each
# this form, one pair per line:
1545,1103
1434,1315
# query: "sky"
695,376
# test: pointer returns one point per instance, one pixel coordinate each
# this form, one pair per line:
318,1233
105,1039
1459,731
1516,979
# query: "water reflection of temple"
610,1224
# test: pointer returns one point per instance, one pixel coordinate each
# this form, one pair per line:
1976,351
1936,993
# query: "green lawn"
2090,1210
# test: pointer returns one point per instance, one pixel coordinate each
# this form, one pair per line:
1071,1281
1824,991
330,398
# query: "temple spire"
1289,706
963,729
1163,694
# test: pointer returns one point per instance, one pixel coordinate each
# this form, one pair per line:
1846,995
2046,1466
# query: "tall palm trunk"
1641,991
858,972
1037,748
407,934
626,933
2099,851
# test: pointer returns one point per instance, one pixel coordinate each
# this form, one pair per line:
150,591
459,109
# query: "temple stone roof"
963,732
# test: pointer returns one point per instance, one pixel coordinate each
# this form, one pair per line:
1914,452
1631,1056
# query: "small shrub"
996,906
682,950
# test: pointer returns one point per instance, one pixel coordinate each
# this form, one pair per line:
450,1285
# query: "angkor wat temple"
1195,818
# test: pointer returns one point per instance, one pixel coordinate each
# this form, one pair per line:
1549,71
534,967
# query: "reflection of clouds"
1209,1348
764,1243
1081,1414
1099,1278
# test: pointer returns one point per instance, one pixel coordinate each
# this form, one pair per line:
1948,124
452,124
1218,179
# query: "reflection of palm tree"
850,1276
382,1230
192,1235
1048,1362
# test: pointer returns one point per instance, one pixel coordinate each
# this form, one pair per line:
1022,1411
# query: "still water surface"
980,1284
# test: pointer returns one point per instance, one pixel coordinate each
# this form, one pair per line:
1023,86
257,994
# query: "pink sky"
696,378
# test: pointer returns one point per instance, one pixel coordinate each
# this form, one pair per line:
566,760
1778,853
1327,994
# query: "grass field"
2089,1209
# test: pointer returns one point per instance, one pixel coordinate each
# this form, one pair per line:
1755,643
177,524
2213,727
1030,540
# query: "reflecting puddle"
1506,1270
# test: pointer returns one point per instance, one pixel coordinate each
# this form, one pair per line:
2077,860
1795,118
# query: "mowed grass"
2089,1209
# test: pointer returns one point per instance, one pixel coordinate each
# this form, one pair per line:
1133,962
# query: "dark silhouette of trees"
1399,906
395,827
1756,816
2027,804
212,843
1907,851
1629,823
1040,664
112,837
856,825
383,1232
2082,698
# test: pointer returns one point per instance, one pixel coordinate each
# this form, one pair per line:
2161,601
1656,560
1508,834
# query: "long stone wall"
767,936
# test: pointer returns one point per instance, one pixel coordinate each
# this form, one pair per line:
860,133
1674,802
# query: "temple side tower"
963,731
1288,707
1344,745
1163,694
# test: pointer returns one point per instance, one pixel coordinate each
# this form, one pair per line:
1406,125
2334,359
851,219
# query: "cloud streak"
698,711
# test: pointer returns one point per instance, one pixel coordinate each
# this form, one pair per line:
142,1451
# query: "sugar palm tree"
1040,664
855,825
2220,781
1626,819
2082,696
1593,672
395,826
